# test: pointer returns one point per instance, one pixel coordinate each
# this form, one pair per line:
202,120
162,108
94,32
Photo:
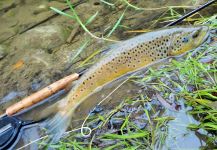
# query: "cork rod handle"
41,95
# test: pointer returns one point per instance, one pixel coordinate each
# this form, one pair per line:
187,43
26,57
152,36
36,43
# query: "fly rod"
191,13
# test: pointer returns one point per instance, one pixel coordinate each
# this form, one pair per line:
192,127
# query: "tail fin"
57,125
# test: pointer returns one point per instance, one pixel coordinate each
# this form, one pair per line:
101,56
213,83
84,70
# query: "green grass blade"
126,136
81,23
89,58
61,12
80,50
110,4
130,5
117,24
91,18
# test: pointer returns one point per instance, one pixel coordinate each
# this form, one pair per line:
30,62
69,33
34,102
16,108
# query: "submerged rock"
41,8
3,52
44,37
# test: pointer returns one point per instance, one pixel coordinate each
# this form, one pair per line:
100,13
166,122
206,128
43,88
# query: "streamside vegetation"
179,98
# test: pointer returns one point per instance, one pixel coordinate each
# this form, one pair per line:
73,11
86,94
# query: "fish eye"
185,40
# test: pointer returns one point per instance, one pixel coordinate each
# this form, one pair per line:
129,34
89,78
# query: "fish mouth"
206,31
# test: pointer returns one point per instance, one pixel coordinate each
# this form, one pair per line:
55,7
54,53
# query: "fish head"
187,39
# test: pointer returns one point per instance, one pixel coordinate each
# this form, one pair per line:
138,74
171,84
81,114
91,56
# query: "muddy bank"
28,63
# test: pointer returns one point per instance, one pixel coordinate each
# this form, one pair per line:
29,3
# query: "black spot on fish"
185,40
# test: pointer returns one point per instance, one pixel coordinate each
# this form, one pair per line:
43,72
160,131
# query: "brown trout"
126,57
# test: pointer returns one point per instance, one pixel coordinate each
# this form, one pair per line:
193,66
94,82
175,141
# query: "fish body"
126,57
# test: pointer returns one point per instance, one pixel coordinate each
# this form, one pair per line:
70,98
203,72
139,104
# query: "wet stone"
116,123
130,109
35,86
94,124
97,109
7,5
141,124
190,88
41,8
119,114
107,143
3,52
206,59
172,97
44,37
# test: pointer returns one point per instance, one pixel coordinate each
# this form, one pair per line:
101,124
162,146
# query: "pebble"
3,52
40,9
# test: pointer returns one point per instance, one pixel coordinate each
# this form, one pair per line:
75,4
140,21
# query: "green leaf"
126,136
80,50
61,12
116,24
91,18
